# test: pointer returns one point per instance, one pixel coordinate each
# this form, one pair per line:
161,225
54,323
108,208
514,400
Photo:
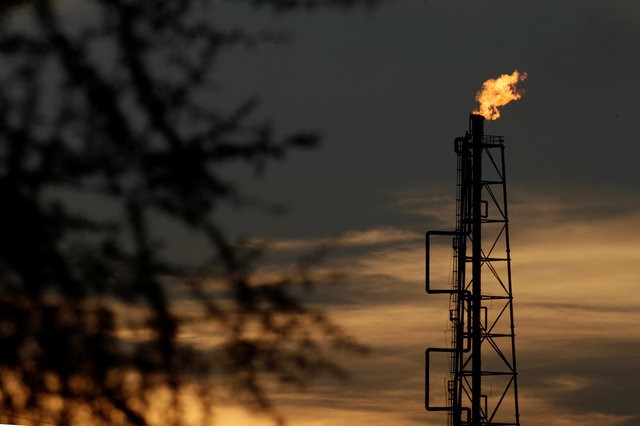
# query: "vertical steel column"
512,325
477,133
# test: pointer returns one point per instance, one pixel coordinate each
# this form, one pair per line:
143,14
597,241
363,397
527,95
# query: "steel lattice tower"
482,388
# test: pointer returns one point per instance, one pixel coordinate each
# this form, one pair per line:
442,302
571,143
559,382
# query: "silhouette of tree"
108,110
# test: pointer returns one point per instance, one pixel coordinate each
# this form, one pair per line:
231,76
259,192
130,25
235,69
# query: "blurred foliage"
105,101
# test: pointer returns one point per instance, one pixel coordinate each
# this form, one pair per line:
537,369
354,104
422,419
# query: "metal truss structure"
482,387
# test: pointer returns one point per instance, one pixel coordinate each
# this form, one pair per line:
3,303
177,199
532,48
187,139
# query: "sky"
389,89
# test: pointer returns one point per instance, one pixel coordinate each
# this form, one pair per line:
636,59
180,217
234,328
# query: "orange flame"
497,93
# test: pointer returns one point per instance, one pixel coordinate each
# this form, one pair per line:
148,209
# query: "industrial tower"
482,387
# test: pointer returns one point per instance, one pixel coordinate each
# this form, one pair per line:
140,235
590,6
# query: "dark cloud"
600,375
390,91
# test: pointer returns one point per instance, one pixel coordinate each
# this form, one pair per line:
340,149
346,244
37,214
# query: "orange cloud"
575,283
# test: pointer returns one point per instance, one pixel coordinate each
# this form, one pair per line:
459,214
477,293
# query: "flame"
498,92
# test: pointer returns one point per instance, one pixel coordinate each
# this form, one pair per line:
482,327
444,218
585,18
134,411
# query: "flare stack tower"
482,384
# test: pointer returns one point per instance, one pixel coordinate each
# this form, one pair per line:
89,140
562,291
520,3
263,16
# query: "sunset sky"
388,87
389,90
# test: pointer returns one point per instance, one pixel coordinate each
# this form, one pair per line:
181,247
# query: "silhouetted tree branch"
109,108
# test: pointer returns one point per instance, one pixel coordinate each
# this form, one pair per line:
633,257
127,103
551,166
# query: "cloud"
536,411
576,311
352,238
430,203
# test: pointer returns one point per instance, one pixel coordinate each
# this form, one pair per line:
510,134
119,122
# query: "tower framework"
482,387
